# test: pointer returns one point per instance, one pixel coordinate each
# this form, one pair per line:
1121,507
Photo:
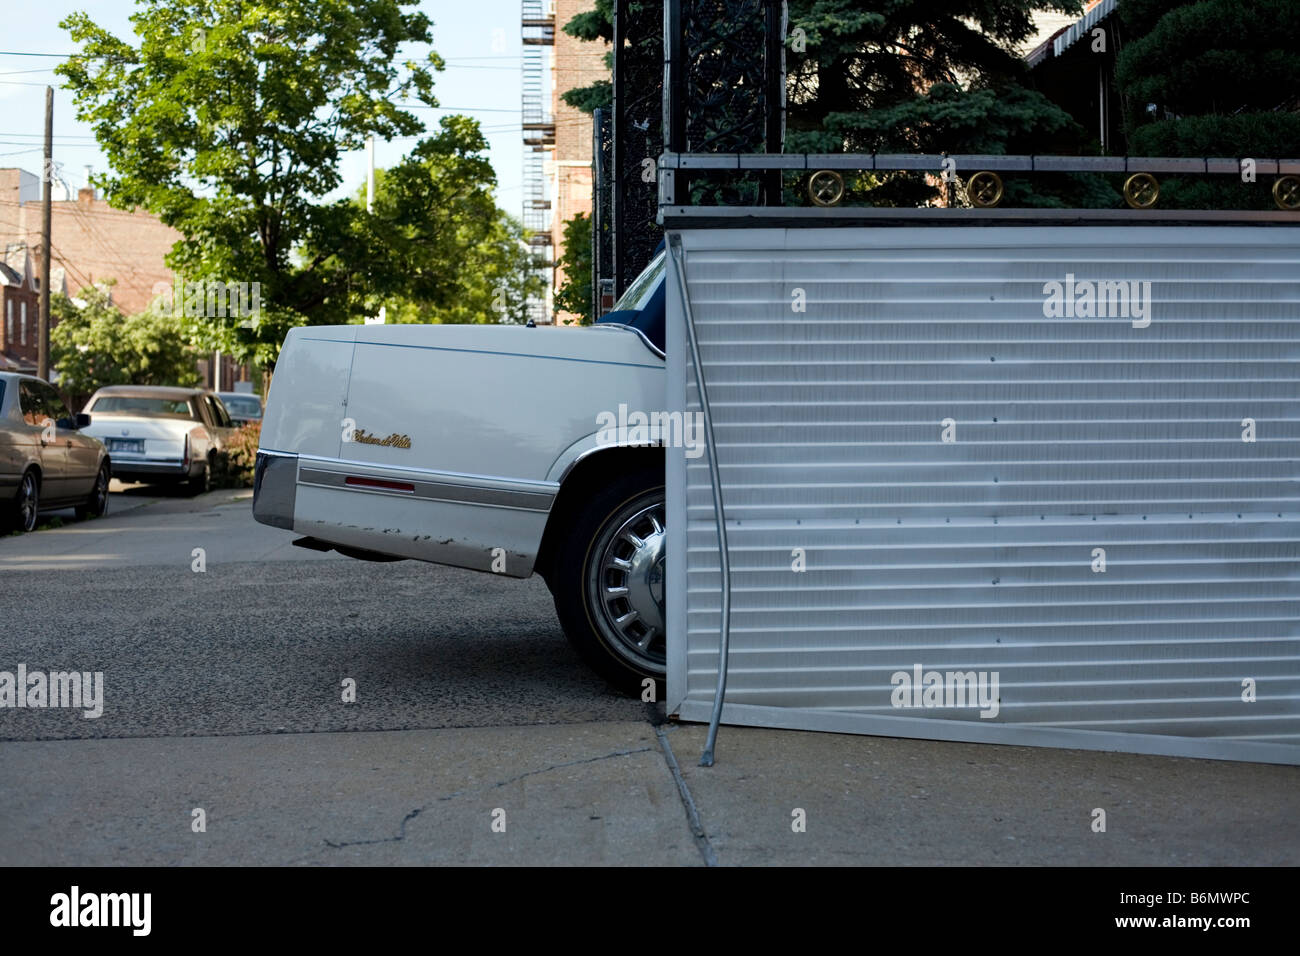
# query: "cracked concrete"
401,831
628,793
570,794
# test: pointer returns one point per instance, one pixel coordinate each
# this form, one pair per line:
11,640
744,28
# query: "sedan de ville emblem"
392,441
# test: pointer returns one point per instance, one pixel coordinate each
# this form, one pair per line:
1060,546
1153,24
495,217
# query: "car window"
32,403
243,407
144,406
643,287
54,406
219,414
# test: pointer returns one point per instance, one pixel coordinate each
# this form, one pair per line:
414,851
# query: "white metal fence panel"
1019,484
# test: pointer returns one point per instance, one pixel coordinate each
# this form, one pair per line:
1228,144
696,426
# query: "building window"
22,323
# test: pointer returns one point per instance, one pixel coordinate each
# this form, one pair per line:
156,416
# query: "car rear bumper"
149,469
275,488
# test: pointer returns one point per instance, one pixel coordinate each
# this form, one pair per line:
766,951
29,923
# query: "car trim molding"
527,355
485,490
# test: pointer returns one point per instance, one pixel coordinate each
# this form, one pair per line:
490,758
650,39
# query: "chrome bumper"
275,487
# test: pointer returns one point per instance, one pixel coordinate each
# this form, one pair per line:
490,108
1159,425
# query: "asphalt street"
224,683
261,639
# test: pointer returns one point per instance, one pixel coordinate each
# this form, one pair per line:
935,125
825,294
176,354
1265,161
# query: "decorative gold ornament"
984,189
826,187
1286,193
1141,190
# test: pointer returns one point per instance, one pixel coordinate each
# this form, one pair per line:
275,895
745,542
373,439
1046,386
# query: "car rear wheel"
97,504
26,506
608,582
202,482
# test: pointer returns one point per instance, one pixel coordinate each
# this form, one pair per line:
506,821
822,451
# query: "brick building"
19,302
576,63
92,241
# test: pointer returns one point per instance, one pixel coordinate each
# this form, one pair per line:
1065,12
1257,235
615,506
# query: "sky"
480,41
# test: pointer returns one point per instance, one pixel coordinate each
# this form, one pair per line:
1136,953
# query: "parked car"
48,459
160,435
244,407
487,447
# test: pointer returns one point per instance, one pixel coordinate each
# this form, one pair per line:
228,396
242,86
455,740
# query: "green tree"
593,25
1211,78
440,248
93,344
228,118
575,295
494,279
916,77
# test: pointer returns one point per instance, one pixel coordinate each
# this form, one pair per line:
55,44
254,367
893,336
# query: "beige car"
46,462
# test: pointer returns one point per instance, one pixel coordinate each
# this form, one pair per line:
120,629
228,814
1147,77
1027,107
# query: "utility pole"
43,315
381,318
370,174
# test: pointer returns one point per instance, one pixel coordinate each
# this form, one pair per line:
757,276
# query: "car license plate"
132,445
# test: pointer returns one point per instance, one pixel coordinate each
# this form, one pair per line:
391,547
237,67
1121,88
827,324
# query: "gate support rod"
715,480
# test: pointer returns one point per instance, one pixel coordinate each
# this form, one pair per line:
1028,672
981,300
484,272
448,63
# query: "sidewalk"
606,793
143,531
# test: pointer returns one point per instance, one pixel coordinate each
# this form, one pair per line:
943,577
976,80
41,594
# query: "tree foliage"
437,248
227,119
919,77
575,295
93,344
1211,78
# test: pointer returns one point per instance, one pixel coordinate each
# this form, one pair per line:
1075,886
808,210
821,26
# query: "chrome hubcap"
27,503
627,585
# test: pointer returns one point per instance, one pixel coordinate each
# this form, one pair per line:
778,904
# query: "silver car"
161,435
244,407
47,460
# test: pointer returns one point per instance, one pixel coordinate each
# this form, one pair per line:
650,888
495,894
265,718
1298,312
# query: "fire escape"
539,136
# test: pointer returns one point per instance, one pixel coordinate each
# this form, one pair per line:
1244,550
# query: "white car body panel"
494,416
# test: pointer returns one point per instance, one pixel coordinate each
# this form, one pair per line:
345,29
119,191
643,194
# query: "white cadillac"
160,435
491,448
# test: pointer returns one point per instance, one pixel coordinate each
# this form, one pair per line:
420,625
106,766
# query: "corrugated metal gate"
961,504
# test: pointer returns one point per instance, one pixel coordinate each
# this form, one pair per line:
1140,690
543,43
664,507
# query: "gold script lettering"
392,441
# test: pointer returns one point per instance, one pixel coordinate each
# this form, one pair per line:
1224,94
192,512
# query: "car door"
15,441
40,427
81,452
221,425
